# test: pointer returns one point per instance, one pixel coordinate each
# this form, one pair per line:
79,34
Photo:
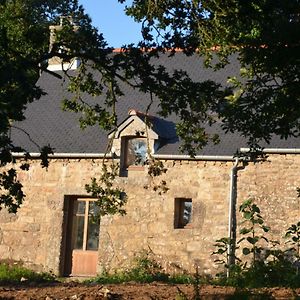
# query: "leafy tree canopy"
24,51
264,33
263,98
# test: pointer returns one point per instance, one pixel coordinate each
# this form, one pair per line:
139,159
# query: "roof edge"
275,150
197,157
160,156
110,155
63,155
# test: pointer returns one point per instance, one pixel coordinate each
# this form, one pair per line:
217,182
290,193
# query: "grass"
142,277
145,269
16,273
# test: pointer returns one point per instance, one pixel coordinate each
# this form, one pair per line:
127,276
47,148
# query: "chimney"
55,63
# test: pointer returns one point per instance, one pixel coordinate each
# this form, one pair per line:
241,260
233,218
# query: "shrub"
144,269
16,273
269,266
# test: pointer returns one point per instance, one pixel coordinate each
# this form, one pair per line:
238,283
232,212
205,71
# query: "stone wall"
149,223
35,234
273,186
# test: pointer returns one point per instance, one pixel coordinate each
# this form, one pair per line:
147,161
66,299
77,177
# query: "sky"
108,16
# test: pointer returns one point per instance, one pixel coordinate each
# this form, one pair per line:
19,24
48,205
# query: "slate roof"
46,123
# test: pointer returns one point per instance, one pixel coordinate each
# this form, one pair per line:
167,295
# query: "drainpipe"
232,200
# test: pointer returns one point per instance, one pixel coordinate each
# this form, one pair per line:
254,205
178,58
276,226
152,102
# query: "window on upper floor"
182,212
135,152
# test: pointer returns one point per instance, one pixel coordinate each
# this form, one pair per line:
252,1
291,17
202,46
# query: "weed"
15,273
254,223
270,266
144,269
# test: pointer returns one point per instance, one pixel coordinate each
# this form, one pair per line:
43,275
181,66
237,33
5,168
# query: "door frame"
67,242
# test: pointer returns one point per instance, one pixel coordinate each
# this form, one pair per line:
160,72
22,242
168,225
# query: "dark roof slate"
46,123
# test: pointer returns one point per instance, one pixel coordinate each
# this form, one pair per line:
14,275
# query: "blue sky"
108,16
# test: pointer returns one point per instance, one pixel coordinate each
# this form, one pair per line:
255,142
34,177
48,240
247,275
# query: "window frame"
86,215
125,150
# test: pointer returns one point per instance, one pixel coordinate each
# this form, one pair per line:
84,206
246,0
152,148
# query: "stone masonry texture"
35,235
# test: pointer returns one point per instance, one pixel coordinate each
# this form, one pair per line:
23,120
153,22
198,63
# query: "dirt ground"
77,291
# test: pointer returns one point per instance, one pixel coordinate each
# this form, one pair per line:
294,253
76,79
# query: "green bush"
145,269
15,273
269,266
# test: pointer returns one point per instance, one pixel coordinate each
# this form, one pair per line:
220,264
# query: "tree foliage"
264,34
111,200
261,100
24,52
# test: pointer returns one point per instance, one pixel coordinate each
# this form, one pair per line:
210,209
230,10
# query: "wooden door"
83,238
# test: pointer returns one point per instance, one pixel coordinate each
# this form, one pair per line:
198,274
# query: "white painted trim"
161,156
64,155
197,157
110,155
120,128
276,150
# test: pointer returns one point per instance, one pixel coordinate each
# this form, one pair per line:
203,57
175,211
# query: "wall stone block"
35,234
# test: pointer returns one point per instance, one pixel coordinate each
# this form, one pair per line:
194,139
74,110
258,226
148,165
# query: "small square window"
182,212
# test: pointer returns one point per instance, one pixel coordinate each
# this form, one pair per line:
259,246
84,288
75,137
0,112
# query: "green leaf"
220,251
245,204
248,215
252,241
255,208
246,251
265,228
260,221
245,230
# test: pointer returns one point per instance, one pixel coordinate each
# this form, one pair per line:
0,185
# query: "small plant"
254,223
196,285
145,269
223,245
293,234
224,258
270,266
16,273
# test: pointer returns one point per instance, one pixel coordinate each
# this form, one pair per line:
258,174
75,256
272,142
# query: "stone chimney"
55,63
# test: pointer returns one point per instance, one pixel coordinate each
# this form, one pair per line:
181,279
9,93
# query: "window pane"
94,209
80,207
78,232
92,234
187,212
182,212
136,152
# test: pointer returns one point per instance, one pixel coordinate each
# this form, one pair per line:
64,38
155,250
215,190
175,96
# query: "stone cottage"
53,229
